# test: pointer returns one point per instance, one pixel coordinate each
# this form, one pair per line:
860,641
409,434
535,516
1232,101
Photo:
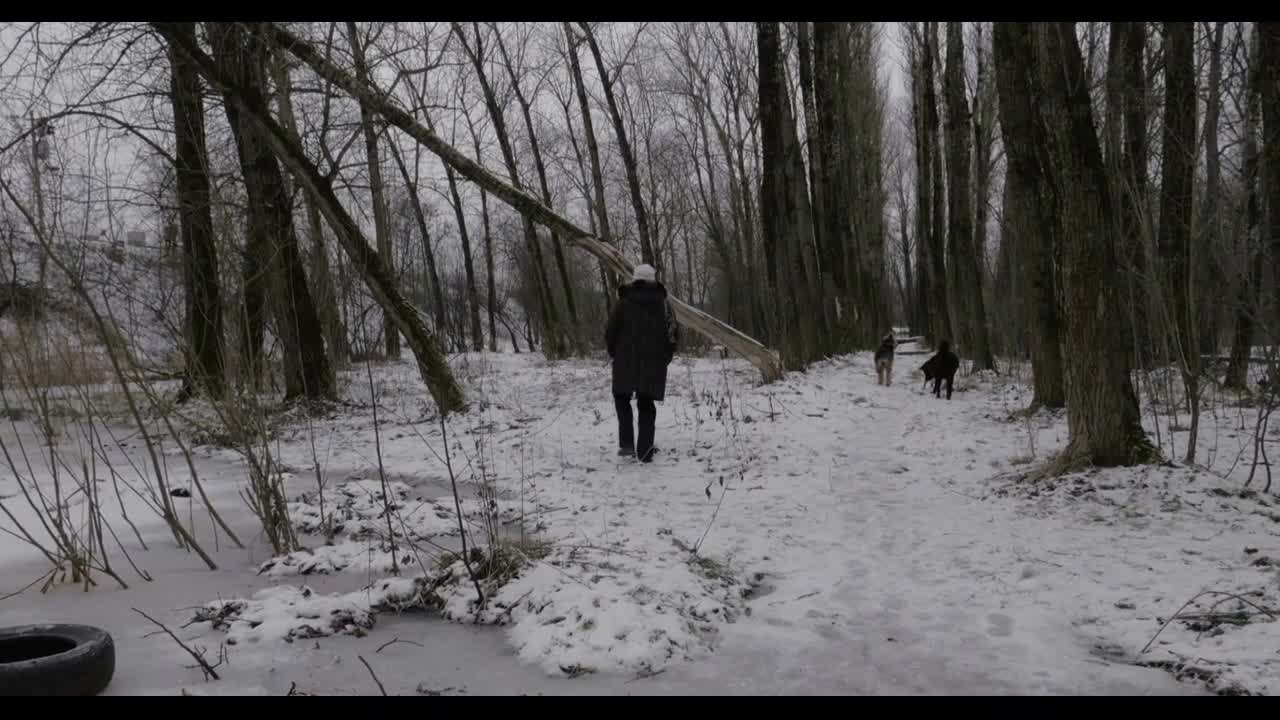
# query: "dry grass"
38,355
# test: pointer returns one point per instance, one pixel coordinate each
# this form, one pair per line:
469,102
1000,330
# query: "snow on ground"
849,538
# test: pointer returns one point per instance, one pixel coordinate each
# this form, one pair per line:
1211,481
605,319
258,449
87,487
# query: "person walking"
641,338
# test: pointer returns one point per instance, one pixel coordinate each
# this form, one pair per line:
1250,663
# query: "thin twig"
28,586
205,667
1177,615
393,641
373,675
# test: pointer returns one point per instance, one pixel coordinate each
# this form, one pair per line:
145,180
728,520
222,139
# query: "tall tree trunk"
787,222
1248,297
1103,417
923,322
381,227
1178,149
624,148
1269,78
432,365
320,278
204,358
271,231
473,300
966,278
565,281
828,153
1208,275
941,308
1134,220
491,301
984,113
813,141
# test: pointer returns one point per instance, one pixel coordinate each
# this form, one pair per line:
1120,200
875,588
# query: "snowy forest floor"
849,538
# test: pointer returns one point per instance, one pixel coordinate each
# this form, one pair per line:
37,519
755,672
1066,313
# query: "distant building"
136,238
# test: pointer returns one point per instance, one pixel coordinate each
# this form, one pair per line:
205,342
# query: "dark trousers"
626,432
937,386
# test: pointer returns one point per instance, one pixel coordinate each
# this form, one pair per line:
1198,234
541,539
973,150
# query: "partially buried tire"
55,660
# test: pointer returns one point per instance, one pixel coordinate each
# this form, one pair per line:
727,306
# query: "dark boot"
648,414
626,428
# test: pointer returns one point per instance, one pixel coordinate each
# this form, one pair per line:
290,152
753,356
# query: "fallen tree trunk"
435,370
766,360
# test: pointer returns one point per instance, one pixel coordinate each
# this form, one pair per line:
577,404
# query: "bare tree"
624,147
381,230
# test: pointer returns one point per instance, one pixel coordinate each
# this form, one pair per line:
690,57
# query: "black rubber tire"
60,660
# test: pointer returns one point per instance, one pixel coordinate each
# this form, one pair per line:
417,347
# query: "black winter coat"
641,338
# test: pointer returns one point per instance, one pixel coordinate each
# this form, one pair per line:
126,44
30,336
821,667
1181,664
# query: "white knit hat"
645,272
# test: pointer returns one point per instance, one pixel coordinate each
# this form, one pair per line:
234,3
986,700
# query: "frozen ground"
850,539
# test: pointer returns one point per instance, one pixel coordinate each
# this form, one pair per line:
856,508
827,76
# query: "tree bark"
766,360
204,357
431,362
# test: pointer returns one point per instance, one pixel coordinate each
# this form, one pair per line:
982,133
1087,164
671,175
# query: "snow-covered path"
890,576
882,562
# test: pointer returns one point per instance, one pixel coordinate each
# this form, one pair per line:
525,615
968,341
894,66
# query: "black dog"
942,366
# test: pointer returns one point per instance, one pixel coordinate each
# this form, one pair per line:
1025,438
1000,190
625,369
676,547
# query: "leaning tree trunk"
1102,408
432,365
766,360
381,227
204,362
306,364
